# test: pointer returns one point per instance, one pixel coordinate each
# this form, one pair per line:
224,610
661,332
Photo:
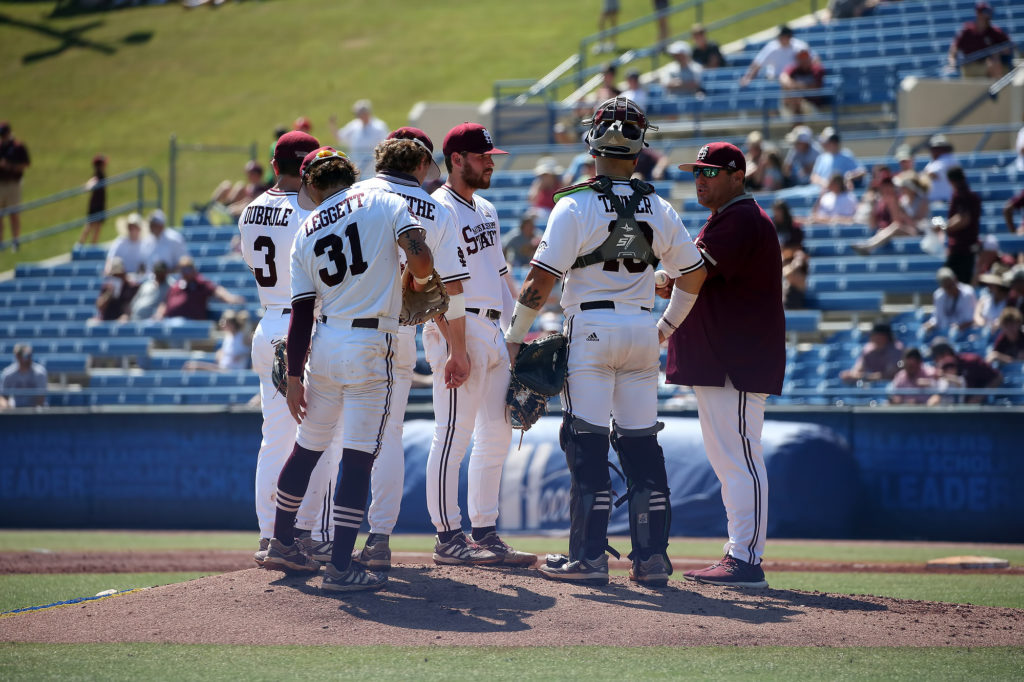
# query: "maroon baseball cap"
294,145
983,7
313,158
417,135
718,155
469,137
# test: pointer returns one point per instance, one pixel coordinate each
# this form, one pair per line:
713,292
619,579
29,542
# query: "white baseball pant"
279,438
476,409
612,367
731,422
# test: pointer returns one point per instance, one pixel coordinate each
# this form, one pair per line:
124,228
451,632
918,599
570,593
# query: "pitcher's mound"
486,606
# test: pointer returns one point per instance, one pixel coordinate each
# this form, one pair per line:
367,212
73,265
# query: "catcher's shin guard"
650,513
586,453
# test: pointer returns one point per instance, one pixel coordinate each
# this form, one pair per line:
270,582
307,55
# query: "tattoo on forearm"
414,246
530,297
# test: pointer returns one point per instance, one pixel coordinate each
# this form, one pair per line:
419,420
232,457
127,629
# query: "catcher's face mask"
617,129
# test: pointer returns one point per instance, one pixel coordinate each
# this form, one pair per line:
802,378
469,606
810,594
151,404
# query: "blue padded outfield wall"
858,473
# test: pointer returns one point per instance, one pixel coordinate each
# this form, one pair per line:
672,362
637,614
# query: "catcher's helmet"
617,129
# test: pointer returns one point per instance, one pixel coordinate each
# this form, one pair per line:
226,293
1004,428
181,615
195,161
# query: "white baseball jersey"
582,221
268,226
353,270
479,238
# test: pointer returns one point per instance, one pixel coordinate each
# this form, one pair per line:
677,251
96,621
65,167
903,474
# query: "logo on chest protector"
593,337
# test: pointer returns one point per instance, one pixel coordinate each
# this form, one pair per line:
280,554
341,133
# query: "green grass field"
19,661
123,82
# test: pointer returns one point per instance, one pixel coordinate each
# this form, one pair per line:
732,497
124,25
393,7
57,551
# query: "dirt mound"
481,606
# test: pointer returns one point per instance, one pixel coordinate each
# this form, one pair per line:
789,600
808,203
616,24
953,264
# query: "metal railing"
141,203
176,148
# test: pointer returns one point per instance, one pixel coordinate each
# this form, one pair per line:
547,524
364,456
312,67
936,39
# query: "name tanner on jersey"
275,216
333,213
643,207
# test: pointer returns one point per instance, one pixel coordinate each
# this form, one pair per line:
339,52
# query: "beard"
476,179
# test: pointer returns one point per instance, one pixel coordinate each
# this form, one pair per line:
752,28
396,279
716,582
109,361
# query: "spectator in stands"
791,232
977,36
235,348
837,204
1012,205
906,205
755,158
582,168
519,246
992,301
547,178
609,87
937,169
25,377
116,293
152,292
799,162
302,124
1015,278
188,297
963,226
954,303
608,19
772,178
880,196
685,76
835,159
14,159
911,384
361,135
164,243
795,269
94,214
650,165
905,158
706,52
129,245
775,56
661,9
1009,343
805,73
850,9
970,368
879,359
1018,161
635,89
232,198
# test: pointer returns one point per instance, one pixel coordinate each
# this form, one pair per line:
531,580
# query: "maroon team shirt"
188,299
737,326
962,241
970,40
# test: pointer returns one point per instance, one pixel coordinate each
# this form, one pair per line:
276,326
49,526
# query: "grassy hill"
123,82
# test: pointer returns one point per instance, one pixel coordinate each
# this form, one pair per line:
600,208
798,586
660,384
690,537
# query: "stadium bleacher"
107,363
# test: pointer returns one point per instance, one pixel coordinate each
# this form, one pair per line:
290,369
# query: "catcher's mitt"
421,306
279,372
539,373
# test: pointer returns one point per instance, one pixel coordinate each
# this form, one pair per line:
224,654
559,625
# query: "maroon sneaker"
730,572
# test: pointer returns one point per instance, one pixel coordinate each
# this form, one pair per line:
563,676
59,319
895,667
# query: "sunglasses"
708,172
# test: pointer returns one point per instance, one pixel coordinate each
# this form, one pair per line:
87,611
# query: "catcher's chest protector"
625,239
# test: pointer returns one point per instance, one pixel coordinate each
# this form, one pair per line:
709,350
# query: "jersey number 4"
332,245
631,264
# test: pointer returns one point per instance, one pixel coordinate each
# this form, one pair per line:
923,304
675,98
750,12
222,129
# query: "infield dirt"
486,606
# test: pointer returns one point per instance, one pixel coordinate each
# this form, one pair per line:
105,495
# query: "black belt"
360,322
490,313
602,305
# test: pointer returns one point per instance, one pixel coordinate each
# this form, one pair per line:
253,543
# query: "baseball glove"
421,306
279,372
539,373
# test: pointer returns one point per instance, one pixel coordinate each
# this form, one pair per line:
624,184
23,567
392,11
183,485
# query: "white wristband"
422,280
522,319
456,307
679,306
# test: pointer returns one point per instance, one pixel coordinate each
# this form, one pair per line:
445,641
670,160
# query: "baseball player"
732,350
605,238
404,162
343,256
476,408
268,226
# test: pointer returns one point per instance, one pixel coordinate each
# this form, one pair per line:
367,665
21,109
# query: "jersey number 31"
332,245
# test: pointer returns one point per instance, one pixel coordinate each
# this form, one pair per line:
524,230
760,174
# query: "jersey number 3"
266,276
332,245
